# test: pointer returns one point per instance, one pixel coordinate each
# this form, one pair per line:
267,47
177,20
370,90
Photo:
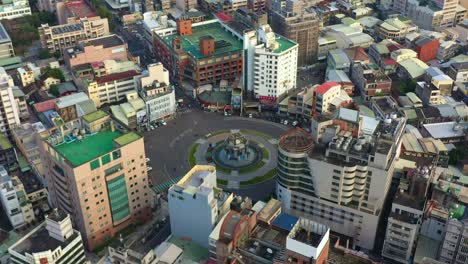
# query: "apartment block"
12,101
454,246
25,137
274,66
61,37
105,188
328,97
14,203
110,47
53,241
299,23
194,208
370,80
157,93
11,9
404,221
28,74
350,172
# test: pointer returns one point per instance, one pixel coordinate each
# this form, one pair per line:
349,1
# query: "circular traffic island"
241,157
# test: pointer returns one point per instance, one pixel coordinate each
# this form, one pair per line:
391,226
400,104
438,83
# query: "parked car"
148,168
164,123
294,123
147,159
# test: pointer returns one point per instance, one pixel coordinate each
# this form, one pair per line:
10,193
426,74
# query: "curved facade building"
341,183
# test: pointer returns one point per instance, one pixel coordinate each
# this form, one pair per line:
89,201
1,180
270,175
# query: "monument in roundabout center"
236,152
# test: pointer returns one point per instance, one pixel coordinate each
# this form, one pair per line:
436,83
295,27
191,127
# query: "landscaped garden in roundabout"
241,157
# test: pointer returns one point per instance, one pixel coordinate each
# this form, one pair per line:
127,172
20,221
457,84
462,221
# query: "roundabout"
172,149
241,157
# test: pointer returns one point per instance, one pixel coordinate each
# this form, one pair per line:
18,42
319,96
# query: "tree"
55,73
44,54
457,154
407,86
54,90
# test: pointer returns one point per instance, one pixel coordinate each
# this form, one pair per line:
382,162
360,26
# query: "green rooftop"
5,143
284,44
89,148
91,117
127,138
457,212
192,251
225,42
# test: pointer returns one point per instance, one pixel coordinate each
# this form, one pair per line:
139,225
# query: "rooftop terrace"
90,147
225,42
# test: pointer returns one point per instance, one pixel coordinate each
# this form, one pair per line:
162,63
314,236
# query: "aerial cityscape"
233,131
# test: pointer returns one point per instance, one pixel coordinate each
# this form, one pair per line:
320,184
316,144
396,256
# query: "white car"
285,122
164,123
250,115
148,168
294,123
147,159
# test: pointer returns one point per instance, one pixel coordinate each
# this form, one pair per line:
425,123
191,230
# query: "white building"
158,94
344,183
9,101
152,22
195,204
29,74
11,9
53,241
274,64
405,218
9,199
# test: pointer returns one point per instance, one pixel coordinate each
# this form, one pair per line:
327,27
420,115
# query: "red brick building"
201,53
426,48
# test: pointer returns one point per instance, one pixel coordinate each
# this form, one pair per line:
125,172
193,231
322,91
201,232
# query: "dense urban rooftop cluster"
240,131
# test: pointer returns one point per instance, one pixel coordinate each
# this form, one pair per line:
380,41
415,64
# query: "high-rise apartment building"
54,241
341,182
196,204
275,65
96,172
454,248
298,23
18,211
60,37
12,102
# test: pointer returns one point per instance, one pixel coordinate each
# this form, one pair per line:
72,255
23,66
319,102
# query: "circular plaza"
241,157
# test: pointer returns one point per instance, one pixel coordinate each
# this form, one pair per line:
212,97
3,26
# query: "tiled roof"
116,76
322,89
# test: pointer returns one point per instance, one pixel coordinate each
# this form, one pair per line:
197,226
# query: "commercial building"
395,28
131,113
110,47
104,188
6,47
202,53
274,66
342,182
61,37
196,204
54,241
11,9
108,81
157,93
261,233
299,23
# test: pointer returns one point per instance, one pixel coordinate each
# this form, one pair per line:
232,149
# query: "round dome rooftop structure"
296,140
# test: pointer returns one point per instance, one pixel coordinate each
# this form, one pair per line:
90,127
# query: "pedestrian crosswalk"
165,186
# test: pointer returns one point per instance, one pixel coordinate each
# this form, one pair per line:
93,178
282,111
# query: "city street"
168,146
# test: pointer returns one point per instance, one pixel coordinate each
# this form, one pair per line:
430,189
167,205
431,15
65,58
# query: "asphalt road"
168,146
